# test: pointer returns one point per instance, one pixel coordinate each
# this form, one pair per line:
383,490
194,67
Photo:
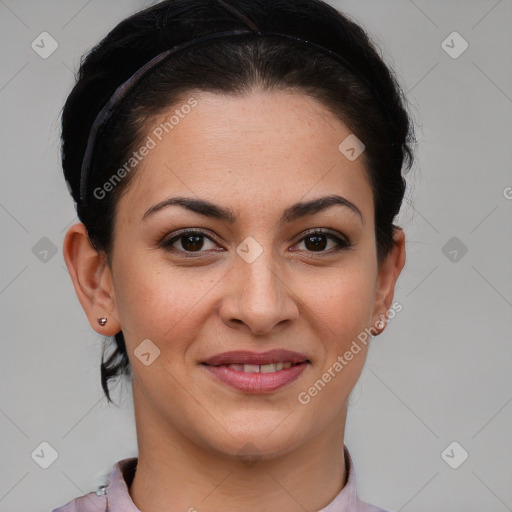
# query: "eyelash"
167,243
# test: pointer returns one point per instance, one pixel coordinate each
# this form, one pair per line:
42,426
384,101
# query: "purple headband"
106,112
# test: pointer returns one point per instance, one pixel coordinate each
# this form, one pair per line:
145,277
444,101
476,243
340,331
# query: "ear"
388,273
92,280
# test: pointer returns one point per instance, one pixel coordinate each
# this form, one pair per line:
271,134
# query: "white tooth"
279,366
251,368
286,365
268,368
238,367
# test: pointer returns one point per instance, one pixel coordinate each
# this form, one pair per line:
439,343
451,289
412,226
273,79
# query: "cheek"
161,302
340,316
341,301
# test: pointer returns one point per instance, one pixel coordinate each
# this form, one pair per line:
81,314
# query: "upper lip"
259,358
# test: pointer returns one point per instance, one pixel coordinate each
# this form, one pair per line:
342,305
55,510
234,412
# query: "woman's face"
257,282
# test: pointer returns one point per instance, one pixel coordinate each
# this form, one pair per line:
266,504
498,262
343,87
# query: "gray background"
439,373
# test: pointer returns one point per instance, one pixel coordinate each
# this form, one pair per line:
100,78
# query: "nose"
259,296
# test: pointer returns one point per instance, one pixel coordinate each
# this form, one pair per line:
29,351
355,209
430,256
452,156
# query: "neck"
174,473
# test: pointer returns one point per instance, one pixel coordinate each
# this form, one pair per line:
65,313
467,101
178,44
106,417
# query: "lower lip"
257,382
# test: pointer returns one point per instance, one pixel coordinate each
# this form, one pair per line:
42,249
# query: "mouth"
250,360
260,368
257,372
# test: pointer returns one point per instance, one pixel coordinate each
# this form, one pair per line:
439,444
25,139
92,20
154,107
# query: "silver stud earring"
102,321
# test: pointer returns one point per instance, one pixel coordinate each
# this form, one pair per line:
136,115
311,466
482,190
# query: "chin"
263,439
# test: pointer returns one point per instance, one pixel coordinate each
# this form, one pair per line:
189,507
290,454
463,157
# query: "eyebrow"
292,213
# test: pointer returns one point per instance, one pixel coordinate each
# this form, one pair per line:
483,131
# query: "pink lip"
256,382
247,357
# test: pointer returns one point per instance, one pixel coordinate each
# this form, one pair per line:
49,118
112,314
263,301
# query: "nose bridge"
259,296
259,270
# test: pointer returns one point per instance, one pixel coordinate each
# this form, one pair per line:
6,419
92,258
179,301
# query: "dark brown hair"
235,67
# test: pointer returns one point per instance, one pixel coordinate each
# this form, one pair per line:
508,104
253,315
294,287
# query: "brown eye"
192,242
318,241
189,241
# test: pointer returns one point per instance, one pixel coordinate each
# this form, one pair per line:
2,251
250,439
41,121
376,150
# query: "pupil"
193,245
316,244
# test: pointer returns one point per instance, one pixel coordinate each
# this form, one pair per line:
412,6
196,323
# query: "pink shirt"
116,498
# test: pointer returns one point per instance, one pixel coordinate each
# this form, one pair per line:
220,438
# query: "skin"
257,155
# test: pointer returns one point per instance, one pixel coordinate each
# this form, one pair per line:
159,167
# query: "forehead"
263,148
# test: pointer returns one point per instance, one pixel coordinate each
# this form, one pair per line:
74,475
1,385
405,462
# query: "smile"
255,378
260,368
